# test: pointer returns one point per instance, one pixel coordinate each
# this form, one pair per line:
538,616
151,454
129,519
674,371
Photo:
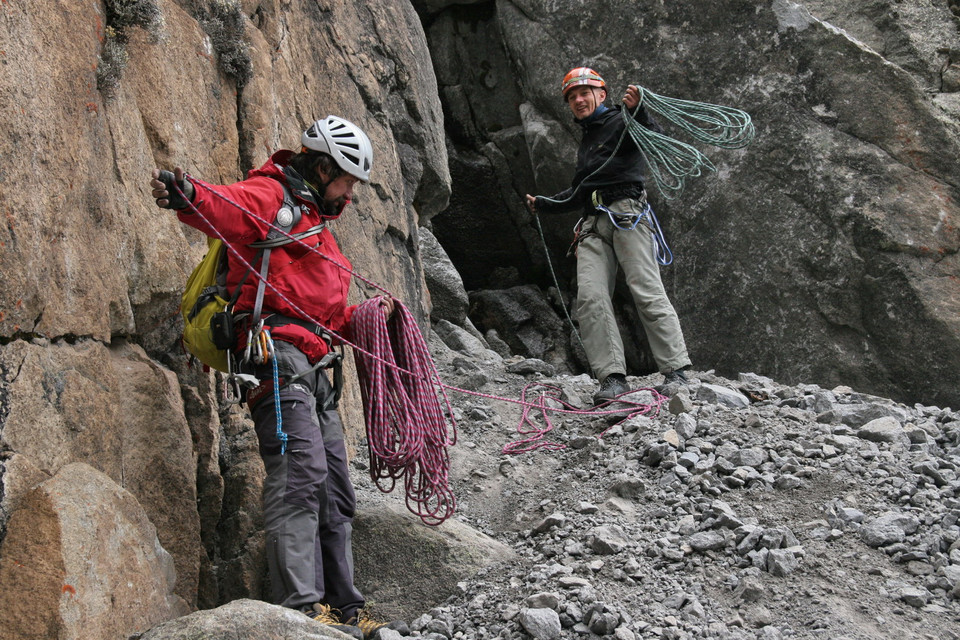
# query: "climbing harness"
629,222
624,221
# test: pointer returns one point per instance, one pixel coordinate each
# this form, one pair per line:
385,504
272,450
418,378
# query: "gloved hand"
165,192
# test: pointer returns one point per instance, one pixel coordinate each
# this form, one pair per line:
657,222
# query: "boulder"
119,411
524,319
447,296
243,619
81,549
884,430
405,567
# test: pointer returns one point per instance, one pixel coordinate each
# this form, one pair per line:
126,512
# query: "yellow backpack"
204,300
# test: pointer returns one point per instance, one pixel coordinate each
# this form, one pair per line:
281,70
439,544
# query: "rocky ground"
735,509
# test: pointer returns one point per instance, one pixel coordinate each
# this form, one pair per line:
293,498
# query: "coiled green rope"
670,161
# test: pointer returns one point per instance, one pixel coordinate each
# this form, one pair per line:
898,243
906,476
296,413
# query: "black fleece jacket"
600,136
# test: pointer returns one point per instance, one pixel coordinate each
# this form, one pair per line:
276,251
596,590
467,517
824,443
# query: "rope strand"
550,399
670,161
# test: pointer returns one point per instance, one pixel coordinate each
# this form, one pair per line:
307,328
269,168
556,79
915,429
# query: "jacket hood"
274,166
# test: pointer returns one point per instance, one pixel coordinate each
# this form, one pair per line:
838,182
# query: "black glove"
174,199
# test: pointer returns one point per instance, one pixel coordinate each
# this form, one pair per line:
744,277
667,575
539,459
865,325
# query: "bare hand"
388,306
632,97
531,203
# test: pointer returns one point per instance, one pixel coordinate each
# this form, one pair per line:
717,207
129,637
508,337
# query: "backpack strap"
287,217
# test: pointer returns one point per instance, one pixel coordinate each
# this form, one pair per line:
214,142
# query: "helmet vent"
344,141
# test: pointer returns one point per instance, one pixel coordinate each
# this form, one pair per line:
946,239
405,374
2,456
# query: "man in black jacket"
614,232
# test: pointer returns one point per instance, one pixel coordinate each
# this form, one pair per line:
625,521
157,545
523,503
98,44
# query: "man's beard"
333,208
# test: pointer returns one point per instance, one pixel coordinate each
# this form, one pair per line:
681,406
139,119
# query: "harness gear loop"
333,359
578,236
623,221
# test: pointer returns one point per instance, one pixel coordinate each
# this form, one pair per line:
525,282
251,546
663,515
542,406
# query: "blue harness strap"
629,222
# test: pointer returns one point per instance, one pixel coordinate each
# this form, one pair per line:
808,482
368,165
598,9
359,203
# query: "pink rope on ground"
549,400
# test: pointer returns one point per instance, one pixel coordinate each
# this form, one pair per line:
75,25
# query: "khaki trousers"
604,248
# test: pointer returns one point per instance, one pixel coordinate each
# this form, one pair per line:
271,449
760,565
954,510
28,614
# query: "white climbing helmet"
344,141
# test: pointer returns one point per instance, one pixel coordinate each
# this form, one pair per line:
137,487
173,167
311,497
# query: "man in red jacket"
308,499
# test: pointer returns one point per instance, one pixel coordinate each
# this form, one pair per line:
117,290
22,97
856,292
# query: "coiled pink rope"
407,433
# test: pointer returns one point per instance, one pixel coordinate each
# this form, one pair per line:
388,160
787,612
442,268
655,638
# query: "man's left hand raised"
632,97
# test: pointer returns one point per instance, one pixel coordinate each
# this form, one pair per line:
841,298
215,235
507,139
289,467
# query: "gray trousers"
308,499
602,250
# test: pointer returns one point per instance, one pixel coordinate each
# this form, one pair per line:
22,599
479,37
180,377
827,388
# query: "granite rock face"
94,96
825,251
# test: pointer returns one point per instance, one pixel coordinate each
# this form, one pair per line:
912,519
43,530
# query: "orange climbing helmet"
582,75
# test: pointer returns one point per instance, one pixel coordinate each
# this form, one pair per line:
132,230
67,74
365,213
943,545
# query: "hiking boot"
677,376
325,614
612,386
371,627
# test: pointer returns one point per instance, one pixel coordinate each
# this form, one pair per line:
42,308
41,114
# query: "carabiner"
263,351
246,351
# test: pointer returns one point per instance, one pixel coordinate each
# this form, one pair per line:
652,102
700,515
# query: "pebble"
641,521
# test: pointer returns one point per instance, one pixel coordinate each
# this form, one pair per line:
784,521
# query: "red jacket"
309,282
